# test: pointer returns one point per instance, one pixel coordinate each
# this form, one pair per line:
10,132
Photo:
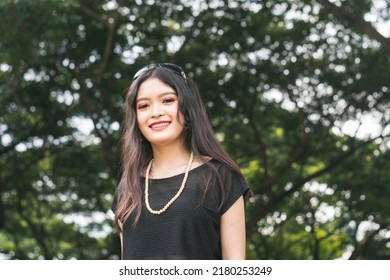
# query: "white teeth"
160,125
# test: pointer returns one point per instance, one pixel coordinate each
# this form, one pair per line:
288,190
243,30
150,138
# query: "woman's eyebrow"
160,95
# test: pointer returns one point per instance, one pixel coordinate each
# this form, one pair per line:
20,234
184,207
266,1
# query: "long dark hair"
136,151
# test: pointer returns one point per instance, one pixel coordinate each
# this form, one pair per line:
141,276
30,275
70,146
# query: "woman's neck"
169,161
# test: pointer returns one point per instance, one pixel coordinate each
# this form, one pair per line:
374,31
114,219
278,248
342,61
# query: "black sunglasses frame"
170,66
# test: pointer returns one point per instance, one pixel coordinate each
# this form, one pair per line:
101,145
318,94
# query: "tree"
282,80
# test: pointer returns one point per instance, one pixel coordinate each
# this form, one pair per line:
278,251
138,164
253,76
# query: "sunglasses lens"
142,70
176,69
172,67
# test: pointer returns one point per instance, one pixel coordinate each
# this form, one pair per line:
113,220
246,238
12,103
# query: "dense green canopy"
298,93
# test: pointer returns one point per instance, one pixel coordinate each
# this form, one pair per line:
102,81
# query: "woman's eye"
169,100
142,106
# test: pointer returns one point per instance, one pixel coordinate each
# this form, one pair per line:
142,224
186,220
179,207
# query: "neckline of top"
192,170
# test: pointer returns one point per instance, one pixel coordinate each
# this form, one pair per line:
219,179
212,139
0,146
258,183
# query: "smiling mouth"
159,125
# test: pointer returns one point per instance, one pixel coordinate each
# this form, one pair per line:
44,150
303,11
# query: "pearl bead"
158,212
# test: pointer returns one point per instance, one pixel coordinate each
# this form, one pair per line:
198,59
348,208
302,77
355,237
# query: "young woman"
180,196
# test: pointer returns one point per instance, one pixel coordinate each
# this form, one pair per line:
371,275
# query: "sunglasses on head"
171,67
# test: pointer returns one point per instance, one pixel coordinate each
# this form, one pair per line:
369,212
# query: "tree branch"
37,230
293,158
359,251
10,147
356,22
277,199
95,116
2,208
189,34
111,27
259,140
92,14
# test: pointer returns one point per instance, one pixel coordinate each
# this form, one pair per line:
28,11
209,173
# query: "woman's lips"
159,125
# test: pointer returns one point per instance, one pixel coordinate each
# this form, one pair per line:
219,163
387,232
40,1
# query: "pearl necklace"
158,212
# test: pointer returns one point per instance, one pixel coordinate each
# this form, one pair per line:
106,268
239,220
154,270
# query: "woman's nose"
156,111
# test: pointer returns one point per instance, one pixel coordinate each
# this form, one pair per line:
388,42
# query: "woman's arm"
233,231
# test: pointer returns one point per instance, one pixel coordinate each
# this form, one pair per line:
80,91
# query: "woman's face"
157,108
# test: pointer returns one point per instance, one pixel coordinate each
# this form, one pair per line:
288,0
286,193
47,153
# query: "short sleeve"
233,187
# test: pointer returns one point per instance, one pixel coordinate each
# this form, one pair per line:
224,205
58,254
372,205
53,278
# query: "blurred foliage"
298,92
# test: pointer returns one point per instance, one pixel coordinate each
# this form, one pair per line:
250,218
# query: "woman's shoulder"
222,167
220,171
209,163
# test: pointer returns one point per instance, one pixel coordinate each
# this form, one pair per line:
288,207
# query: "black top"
190,227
